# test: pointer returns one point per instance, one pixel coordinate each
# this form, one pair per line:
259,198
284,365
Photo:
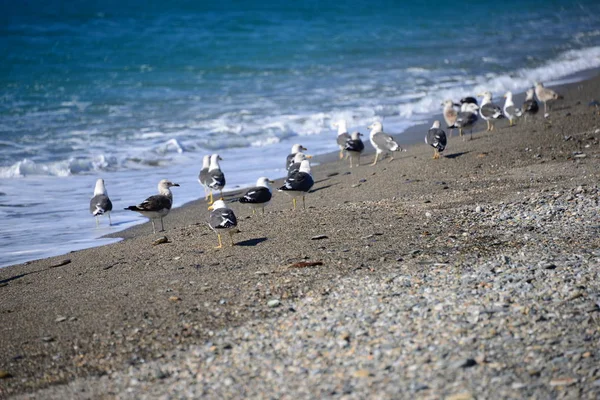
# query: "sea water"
137,91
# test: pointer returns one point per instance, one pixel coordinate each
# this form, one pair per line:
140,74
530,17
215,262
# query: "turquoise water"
140,91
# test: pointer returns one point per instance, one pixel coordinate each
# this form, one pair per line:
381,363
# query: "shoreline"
476,274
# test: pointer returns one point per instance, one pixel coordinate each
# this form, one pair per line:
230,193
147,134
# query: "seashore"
475,275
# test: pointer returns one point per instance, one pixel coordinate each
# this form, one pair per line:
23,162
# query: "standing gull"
450,114
203,175
299,183
354,147
488,110
530,106
100,204
510,110
258,196
436,138
216,178
296,161
157,206
221,220
342,135
466,118
545,95
382,142
297,148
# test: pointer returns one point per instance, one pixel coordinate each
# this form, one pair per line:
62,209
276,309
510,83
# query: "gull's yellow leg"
341,154
221,198
231,238
220,243
303,203
294,202
210,198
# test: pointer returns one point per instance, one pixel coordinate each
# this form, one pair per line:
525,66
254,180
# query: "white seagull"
100,204
382,142
221,220
157,206
342,135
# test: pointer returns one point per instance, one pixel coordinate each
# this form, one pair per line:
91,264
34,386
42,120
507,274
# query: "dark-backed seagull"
342,135
289,160
221,220
530,106
157,206
299,183
436,138
100,204
258,196
382,142
354,147
296,161
466,118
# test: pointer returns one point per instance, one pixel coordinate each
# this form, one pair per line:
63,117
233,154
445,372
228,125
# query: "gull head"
299,157
341,126
487,95
470,107
356,135
217,204
508,95
100,188
297,148
305,166
376,127
529,93
436,125
448,104
264,182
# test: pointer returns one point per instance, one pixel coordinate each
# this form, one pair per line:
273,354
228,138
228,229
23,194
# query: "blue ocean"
137,91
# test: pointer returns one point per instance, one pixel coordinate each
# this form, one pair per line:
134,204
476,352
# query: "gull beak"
504,96
211,208
480,95
456,104
175,184
303,148
271,182
307,156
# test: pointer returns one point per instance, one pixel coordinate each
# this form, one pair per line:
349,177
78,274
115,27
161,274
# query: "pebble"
274,303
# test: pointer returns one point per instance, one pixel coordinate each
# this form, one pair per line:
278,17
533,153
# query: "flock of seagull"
299,180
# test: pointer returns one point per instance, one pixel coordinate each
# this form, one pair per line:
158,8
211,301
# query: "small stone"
160,240
274,303
362,373
60,318
461,396
478,209
563,381
175,299
319,237
428,214
47,339
5,374
466,363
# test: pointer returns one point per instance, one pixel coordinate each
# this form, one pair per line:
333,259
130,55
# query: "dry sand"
108,313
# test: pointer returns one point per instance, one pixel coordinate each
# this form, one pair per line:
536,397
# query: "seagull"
488,110
216,178
354,147
342,135
545,95
203,175
297,148
530,106
509,108
450,113
299,183
100,204
157,206
258,196
296,161
221,220
436,138
466,118
468,100
382,142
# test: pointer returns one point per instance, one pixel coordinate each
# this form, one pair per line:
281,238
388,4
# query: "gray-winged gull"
216,178
466,118
545,95
258,196
489,111
510,111
100,204
354,147
157,206
221,220
342,135
382,142
296,161
299,183
203,175
436,138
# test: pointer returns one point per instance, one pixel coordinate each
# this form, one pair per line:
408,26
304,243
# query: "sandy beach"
471,276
